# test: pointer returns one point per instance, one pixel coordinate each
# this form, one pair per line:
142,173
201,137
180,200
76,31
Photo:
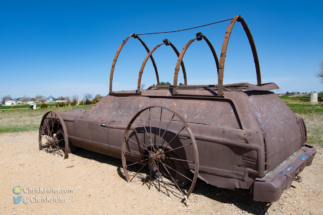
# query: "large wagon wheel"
53,134
163,146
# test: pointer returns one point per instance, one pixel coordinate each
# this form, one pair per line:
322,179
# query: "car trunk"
284,132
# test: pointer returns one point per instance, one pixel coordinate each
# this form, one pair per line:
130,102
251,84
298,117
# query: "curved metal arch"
166,42
199,36
182,64
224,51
117,55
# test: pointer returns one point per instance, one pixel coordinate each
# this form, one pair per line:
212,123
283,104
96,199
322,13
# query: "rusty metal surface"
245,134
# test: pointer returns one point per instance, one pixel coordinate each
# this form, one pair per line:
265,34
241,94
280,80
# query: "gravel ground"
98,187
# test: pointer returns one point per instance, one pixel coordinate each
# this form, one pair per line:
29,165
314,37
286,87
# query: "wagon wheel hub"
158,155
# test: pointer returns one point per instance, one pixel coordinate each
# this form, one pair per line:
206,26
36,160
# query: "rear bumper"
270,187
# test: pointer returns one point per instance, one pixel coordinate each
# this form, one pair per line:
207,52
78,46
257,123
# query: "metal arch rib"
179,61
180,58
182,63
151,57
224,51
144,64
117,55
166,42
253,48
213,52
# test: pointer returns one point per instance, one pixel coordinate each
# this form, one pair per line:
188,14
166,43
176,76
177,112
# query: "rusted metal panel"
280,124
212,113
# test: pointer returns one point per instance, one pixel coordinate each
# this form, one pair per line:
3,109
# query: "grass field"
28,120
300,98
311,113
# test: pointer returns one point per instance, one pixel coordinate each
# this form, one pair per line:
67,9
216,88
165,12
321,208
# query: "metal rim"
155,143
53,134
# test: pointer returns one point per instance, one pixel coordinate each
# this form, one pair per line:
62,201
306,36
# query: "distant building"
64,101
10,103
30,102
50,99
18,100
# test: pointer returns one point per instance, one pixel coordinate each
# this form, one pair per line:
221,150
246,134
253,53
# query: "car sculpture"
236,136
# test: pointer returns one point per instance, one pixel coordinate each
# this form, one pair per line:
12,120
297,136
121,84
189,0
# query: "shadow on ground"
240,198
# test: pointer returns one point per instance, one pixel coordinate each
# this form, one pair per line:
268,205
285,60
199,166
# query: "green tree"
97,97
5,98
320,72
165,83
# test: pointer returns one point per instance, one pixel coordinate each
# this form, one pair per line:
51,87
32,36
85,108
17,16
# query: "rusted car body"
246,136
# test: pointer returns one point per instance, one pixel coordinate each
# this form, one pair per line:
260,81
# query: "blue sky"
62,48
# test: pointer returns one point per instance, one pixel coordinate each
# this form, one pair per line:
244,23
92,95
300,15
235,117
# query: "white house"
64,101
50,99
10,103
30,102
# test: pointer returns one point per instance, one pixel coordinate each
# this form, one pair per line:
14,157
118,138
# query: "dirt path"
98,187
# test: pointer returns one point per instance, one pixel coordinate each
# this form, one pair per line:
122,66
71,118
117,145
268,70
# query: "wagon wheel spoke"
137,143
176,159
137,162
164,184
132,153
146,132
173,180
172,162
138,171
172,138
176,171
160,120
166,129
149,117
177,148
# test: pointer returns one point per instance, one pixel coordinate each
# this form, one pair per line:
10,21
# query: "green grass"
23,106
314,126
312,115
28,120
305,108
300,98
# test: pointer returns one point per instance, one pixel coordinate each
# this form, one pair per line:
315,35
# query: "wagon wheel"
53,134
163,150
